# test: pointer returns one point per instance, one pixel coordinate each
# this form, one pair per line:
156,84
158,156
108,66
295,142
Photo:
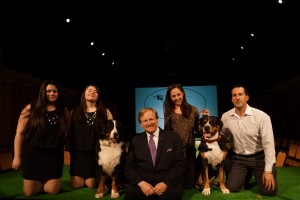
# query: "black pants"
237,168
189,174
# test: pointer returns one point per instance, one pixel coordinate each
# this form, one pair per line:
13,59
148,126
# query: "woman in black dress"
39,141
86,120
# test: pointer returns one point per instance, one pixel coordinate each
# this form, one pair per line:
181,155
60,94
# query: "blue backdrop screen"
199,96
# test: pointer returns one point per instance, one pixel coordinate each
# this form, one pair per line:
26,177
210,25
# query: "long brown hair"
169,105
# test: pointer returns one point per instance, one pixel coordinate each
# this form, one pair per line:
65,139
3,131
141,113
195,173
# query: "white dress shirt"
252,133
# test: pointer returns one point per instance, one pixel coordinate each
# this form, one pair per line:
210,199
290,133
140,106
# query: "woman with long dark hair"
86,124
40,139
182,118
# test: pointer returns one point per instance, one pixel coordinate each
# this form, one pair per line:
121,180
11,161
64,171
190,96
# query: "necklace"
52,119
90,119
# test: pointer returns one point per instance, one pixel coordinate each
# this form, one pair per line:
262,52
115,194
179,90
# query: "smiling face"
176,96
149,121
51,93
91,93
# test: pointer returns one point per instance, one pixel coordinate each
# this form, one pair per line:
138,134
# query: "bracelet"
268,172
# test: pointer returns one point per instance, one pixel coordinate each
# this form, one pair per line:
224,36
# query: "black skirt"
83,164
42,164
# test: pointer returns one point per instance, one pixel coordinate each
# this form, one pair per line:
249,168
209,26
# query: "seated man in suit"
157,177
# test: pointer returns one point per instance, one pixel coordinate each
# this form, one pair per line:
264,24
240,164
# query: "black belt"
251,155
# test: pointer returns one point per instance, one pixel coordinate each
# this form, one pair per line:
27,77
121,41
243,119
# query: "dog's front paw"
206,191
225,191
114,195
98,195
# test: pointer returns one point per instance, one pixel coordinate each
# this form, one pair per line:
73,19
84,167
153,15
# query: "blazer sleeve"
175,174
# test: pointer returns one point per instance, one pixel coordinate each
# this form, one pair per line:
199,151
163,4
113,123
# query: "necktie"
152,149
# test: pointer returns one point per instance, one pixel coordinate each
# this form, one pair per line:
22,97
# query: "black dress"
83,140
43,156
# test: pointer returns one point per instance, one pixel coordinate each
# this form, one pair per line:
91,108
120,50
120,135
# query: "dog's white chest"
109,157
215,156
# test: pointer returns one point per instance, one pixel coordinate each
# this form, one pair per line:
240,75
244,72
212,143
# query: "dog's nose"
207,128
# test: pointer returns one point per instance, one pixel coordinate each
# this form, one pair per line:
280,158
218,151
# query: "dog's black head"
112,131
209,126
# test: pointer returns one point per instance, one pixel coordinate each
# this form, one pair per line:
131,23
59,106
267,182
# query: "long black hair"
37,121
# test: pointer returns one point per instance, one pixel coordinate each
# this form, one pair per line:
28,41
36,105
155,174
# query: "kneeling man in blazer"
157,176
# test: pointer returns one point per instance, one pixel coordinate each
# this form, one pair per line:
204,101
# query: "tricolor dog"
213,150
111,157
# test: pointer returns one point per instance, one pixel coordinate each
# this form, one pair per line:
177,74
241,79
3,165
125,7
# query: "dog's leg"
199,181
114,188
222,182
206,189
101,187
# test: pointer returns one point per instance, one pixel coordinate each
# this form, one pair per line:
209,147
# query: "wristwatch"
268,172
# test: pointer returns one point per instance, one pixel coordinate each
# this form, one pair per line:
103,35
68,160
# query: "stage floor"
11,184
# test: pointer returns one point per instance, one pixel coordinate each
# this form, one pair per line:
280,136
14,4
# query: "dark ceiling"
153,44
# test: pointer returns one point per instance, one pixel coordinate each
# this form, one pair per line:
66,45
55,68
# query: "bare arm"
109,115
19,138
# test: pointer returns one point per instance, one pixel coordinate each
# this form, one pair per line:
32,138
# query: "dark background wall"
223,43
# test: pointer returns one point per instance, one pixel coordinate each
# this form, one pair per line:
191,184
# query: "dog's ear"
120,129
119,126
102,130
199,126
202,120
220,123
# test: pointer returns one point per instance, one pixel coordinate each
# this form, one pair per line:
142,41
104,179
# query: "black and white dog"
111,158
212,153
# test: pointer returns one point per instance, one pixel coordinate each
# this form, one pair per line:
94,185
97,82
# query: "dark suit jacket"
170,160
